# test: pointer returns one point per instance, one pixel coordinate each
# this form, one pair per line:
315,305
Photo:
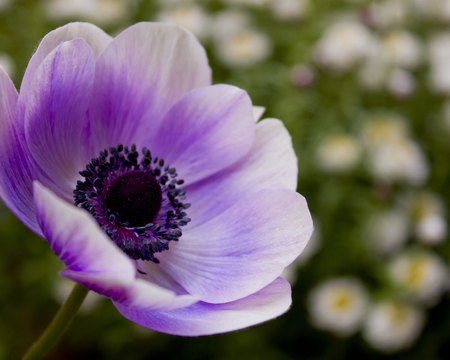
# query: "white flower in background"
62,288
402,49
428,211
429,9
255,3
373,73
171,3
244,48
4,4
104,12
343,45
401,83
439,57
392,326
402,161
7,63
229,22
389,231
302,75
379,130
390,13
432,229
421,275
289,10
314,245
338,305
192,17
338,153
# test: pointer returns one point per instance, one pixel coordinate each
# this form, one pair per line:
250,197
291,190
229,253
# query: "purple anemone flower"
185,206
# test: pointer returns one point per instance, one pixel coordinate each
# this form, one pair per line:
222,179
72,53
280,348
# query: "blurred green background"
363,87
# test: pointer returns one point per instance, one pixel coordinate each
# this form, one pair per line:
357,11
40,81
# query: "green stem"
59,325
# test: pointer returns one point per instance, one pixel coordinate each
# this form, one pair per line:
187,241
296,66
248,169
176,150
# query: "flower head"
186,211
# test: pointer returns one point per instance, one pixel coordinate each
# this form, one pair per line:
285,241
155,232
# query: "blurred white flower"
192,17
402,49
379,130
229,22
314,245
302,75
432,229
389,231
392,326
338,305
390,13
401,83
373,73
401,161
171,3
289,10
7,63
439,57
102,12
244,48
62,289
4,4
343,45
338,153
428,210
421,275
255,3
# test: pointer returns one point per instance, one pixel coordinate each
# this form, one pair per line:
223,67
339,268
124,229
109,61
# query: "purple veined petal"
139,76
270,163
258,112
208,319
96,38
93,260
243,249
55,112
143,295
207,130
16,176
91,257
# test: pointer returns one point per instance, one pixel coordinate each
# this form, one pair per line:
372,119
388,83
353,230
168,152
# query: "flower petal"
91,257
270,163
16,176
140,75
242,250
94,36
143,295
258,112
93,260
207,124
55,113
208,319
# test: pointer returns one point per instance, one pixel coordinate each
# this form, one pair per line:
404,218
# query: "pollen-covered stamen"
137,204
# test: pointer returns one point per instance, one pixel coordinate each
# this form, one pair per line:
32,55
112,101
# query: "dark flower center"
136,197
137,203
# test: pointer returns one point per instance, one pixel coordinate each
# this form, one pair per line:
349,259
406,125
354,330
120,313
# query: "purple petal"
93,260
143,295
207,130
55,113
94,36
243,249
140,75
91,257
16,176
208,319
270,163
